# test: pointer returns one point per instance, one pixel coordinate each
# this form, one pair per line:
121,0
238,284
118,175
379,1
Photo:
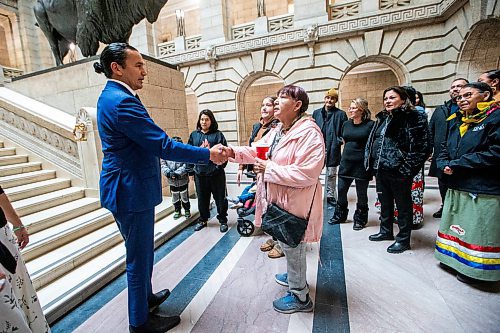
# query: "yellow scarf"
485,109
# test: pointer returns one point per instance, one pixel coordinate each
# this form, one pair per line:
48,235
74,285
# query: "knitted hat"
332,93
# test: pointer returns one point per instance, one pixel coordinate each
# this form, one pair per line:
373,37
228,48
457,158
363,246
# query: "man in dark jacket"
437,131
330,119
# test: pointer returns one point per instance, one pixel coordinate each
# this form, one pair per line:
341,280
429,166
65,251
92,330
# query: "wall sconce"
179,16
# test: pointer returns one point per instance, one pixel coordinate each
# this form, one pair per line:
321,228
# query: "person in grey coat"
178,180
331,119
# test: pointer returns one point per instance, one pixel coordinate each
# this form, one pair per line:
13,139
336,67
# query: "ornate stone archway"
368,77
249,96
480,51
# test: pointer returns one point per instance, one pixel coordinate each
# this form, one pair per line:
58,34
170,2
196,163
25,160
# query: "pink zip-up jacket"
292,174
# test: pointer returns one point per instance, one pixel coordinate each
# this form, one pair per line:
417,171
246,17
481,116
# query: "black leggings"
361,191
213,184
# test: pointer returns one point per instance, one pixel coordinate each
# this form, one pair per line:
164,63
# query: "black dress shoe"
156,299
156,324
398,247
223,227
438,214
380,237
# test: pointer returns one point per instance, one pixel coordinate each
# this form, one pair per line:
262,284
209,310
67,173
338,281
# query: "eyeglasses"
467,95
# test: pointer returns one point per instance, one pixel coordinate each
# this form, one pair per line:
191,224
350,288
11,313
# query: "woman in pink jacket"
295,160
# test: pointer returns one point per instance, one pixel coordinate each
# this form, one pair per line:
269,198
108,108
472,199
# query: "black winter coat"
331,129
474,157
196,139
437,132
405,145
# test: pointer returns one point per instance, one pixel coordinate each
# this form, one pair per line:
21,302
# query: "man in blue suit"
130,183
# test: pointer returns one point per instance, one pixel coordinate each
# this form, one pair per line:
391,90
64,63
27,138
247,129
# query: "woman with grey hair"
355,134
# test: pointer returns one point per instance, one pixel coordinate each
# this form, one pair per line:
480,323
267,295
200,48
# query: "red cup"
262,150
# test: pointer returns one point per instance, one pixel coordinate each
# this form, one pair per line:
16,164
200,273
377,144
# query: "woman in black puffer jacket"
396,151
210,179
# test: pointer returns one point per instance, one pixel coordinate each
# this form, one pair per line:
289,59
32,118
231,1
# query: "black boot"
360,217
340,215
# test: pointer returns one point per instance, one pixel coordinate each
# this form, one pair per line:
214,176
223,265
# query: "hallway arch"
480,51
249,98
368,80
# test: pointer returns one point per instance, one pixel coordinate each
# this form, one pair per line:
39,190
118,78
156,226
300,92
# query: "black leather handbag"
285,226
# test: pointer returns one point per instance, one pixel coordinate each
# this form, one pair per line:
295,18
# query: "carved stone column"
215,22
309,12
142,38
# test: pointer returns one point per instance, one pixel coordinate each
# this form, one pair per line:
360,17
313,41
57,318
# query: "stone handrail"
330,29
42,129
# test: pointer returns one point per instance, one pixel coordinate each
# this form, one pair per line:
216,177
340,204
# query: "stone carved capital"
311,36
211,57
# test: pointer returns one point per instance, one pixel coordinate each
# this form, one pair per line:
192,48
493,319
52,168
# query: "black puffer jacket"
405,145
196,139
474,157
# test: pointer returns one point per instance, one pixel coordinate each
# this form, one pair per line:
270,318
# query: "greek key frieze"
402,13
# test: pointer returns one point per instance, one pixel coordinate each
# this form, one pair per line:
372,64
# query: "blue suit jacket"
132,145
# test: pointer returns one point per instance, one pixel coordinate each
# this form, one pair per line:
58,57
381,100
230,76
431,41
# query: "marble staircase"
75,247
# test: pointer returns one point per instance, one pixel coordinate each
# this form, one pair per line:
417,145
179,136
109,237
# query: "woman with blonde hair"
355,134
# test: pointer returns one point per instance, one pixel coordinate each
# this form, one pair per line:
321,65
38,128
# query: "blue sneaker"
281,279
291,304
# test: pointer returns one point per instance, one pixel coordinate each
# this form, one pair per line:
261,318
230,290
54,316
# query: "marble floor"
224,283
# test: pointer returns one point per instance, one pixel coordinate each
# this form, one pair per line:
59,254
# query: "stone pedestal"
261,26
180,43
309,12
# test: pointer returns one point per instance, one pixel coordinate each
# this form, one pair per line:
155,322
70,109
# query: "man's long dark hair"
114,52
213,123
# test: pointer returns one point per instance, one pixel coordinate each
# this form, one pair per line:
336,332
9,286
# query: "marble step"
38,188
26,178
48,200
54,264
7,151
63,294
14,159
8,170
47,218
49,239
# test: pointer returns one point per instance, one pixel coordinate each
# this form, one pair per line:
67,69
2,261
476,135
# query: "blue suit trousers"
137,229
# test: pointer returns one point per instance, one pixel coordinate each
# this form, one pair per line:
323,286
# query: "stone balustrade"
44,130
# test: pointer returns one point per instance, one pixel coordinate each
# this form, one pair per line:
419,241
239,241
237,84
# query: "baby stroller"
245,225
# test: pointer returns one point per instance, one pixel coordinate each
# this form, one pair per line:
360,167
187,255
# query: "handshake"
219,154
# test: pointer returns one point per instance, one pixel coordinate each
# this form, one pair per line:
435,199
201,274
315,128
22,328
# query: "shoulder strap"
312,201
